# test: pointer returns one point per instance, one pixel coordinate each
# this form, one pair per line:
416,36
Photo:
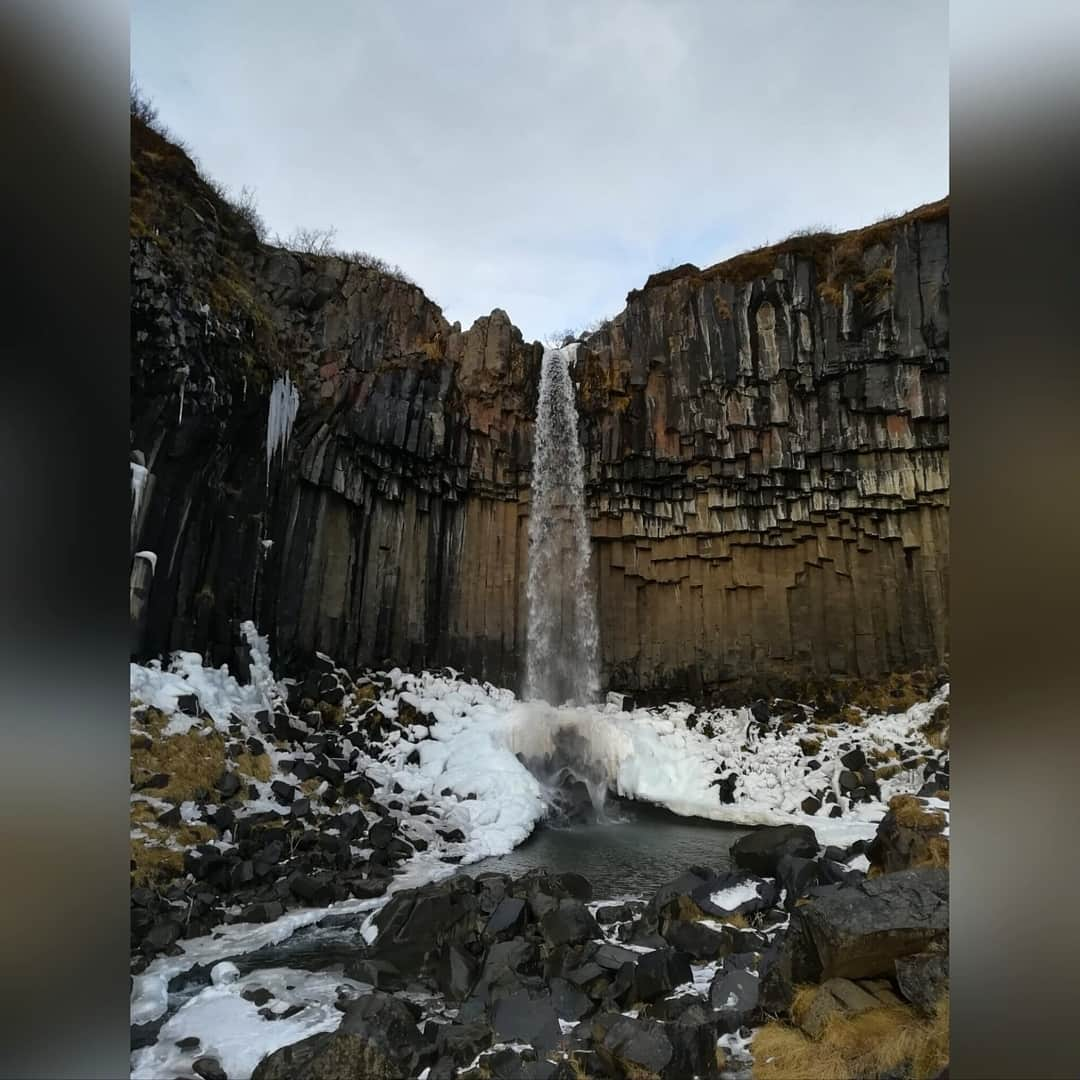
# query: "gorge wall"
766,449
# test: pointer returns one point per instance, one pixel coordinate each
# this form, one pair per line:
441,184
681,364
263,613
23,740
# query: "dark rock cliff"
766,444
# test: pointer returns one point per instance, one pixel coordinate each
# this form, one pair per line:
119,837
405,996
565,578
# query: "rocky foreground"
317,802
796,956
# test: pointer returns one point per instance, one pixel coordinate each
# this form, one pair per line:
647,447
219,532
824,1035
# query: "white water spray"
561,657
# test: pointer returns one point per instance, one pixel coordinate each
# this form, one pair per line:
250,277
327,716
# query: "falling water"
561,662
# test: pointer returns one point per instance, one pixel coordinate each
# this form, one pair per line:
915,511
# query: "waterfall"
561,656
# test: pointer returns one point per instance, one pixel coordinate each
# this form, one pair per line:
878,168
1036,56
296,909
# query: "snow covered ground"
463,758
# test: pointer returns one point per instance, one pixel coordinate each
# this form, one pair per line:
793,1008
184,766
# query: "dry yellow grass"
152,863
883,756
936,729
682,907
938,739
886,772
192,761
912,814
159,856
256,766
801,1001
738,921
937,853
864,1046
157,853
142,813
851,715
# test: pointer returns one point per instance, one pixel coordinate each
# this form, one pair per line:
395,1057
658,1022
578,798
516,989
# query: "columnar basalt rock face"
769,463
766,454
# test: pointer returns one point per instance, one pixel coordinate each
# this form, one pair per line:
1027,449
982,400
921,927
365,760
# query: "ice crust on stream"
469,745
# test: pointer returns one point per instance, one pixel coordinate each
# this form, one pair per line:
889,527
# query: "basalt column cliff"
765,452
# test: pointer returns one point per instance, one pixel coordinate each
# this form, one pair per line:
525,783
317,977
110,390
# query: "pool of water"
632,855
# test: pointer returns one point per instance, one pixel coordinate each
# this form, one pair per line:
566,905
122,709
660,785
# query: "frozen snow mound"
655,756
218,691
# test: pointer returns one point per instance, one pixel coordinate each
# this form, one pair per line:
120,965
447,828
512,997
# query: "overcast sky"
545,158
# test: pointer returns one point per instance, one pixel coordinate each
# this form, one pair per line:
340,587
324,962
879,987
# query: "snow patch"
735,895
234,1031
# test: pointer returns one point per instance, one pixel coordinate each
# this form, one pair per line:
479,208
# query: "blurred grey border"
1015,144
63,633
63,777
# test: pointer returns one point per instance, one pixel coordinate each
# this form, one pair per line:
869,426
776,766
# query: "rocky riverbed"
300,906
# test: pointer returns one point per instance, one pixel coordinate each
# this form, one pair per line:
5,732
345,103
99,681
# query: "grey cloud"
546,157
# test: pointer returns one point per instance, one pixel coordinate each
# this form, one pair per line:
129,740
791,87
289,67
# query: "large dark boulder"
508,918
568,1001
909,836
796,876
923,978
508,967
693,1038
456,972
378,1016
522,1018
698,941
631,1047
761,850
735,893
734,990
568,924
860,931
417,924
462,1042
655,975
330,1056
683,885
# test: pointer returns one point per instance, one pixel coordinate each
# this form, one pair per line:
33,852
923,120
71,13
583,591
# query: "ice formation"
561,655
284,404
139,473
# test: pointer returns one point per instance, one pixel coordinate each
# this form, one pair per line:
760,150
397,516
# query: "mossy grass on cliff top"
838,257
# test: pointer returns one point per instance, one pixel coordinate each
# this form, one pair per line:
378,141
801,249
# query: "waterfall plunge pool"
639,849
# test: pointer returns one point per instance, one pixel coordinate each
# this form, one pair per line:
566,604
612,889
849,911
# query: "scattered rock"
700,942
761,850
209,1068
325,1056
632,1047
520,1018
568,924
909,836
923,978
860,931
834,997
796,876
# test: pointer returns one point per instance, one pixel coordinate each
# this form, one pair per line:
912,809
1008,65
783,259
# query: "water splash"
561,654
574,753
